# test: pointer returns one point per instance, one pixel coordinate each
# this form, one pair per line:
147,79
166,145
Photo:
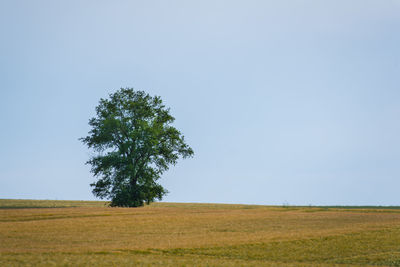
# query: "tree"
135,144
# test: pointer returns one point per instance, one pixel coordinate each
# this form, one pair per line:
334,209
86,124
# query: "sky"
283,102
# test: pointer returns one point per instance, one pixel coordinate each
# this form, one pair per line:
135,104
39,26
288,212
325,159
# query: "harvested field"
71,233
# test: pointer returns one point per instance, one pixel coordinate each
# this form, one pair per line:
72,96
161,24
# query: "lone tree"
134,144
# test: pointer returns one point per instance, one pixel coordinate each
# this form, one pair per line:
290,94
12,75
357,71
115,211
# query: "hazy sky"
292,102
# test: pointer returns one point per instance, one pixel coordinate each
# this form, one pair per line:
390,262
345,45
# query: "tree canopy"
134,144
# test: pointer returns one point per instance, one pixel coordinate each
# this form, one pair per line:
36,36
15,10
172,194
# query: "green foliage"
135,144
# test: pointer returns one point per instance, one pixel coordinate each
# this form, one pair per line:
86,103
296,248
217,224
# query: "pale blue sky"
283,101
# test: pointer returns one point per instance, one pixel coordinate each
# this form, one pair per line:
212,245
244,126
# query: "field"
88,233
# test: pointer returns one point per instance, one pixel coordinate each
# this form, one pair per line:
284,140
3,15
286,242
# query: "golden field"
88,233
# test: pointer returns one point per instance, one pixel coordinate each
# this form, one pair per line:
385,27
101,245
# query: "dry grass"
88,233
